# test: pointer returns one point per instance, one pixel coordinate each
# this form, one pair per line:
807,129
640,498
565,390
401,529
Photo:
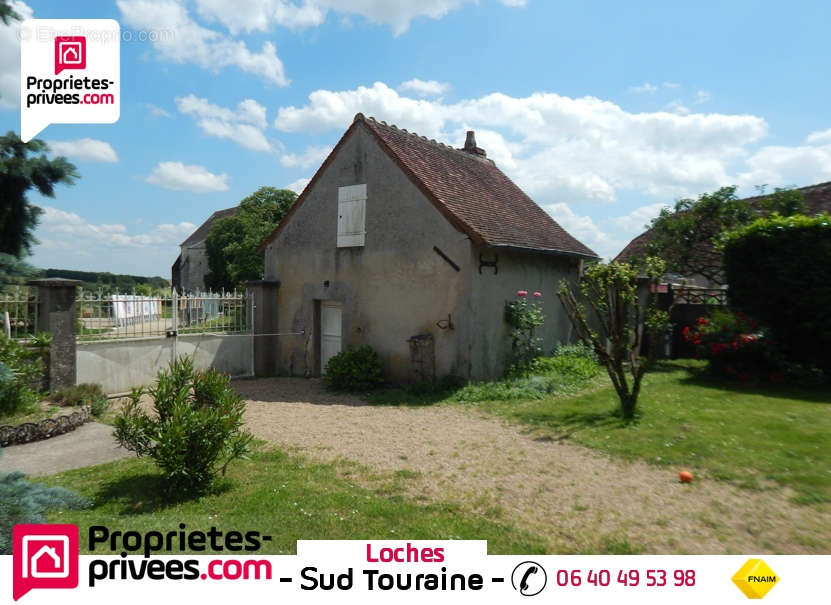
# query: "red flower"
735,345
686,333
537,294
522,293
702,321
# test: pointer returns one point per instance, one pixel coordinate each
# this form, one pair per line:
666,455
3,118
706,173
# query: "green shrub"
26,362
779,271
15,396
195,429
576,349
25,502
524,318
84,394
355,369
548,376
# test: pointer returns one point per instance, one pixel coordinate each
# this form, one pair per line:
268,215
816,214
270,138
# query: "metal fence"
19,312
129,316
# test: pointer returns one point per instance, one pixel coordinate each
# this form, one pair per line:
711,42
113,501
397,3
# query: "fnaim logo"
45,556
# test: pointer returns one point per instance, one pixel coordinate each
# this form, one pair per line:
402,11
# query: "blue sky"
601,111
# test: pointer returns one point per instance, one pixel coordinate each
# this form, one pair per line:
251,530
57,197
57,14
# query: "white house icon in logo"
70,52
32,566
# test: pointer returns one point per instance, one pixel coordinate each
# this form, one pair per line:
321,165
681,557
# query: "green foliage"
686,235
232,244
779,269
575,349
25,166
7,13
564,373
612,293
25,366
84,394
524,318
195,429
25,502
355,369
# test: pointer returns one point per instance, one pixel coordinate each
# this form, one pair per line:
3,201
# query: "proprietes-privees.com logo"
46,556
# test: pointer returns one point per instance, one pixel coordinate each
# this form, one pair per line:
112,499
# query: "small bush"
577,349
355,369
84,394
25,502
524,318
15,396
548,376
78,395
194,432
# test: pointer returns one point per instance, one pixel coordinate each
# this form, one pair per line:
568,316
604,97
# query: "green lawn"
282,496
754,436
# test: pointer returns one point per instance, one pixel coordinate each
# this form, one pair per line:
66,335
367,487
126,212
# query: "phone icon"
529,578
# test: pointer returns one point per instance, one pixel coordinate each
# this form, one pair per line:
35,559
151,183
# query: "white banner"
412,572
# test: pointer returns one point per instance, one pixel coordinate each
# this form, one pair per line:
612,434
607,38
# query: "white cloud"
425,88
677,106
157,111
181,177
702,96
584,229
299,185
781,166
557,148
84,150
182,40
636,221
645,88
77,231
10,56
312,156
261,15
819,137
244,125
68,240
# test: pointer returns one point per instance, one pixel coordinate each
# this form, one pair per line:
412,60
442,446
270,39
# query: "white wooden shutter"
351,215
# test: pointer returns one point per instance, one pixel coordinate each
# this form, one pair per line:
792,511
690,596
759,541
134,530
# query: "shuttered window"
351,215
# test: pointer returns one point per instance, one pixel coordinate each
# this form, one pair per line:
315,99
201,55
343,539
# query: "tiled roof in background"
202,232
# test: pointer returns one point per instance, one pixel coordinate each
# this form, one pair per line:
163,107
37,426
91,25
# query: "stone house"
188,271
413,247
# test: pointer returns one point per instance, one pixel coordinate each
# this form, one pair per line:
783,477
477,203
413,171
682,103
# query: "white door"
330,332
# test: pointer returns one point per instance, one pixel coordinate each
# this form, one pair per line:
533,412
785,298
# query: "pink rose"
537,294
522,293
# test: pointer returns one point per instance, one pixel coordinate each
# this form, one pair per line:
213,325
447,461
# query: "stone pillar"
264,326
56,315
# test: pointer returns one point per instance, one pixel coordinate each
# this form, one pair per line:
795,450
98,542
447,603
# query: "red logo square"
70,53
44,556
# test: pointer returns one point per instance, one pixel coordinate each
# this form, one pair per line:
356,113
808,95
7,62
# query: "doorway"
331,322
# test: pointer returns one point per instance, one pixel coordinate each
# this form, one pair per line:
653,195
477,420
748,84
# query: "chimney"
470,145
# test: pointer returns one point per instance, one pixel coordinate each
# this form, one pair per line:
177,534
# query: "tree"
232,243
25,166
685,236
7,13
612,293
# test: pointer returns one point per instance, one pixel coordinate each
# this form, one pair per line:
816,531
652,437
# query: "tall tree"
7,13
686,235
25,166
232,244
619,323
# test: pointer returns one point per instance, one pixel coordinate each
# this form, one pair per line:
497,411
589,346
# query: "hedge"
779,271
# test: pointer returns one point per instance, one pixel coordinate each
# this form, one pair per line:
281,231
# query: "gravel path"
576,498
89,444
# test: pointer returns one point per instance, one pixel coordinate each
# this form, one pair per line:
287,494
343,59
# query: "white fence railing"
129,316
19,312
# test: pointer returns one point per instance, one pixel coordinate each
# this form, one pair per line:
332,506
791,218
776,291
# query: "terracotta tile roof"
201,233
817,199
471,192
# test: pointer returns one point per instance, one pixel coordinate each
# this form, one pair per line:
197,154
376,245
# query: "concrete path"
89,444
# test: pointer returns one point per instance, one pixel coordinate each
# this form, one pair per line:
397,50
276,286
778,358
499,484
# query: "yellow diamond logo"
755,579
